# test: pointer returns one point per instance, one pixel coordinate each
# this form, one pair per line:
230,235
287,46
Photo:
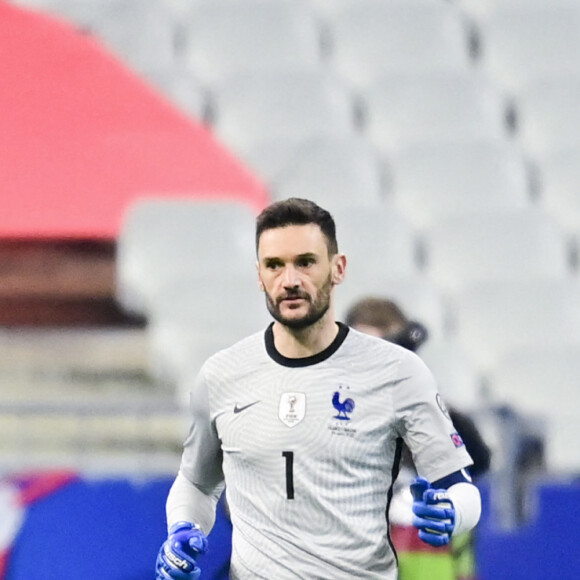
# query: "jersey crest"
344,408
292,408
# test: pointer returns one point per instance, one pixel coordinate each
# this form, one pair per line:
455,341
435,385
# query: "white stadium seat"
181,88
163,241
333,172
521,43
433,181
287,108
560,187
225,38
458,377
141,33
549,116
492,318
378,241
191,321
482,9
406,109
516,245
370,38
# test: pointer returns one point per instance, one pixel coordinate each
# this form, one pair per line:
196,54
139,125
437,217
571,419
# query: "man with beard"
304,423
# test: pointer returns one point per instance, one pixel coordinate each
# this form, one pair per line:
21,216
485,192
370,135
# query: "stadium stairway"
81,398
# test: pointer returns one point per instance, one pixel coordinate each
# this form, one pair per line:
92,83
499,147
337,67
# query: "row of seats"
365,40
165,240
267,118
484,314
169,255
517,41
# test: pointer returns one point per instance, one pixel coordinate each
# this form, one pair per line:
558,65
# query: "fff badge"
292,408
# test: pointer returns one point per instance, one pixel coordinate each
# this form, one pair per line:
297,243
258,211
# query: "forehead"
292,240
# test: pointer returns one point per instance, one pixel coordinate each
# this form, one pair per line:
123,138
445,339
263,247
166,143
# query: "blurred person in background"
385,319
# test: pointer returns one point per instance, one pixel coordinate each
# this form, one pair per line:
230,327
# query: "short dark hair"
296,211
381,313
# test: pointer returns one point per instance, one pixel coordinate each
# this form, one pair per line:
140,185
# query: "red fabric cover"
81,136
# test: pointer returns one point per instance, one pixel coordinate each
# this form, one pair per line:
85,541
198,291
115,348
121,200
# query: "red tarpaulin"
81,137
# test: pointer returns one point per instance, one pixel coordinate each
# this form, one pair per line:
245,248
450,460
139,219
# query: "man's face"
297,274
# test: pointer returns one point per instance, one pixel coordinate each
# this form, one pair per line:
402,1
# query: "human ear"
338,268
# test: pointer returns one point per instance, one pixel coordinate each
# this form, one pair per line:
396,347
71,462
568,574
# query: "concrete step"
82,398
91,433
66,351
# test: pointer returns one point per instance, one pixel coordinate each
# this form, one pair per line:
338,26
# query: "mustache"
293,294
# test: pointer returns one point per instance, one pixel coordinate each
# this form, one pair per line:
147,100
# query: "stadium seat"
141,33
163,241
560,187
83,15
226,38
492,318
193,319
549,116
405,109
379,242
370,38
333,172
181,88
382,255
483,9
543,381
509,245
181,8
456,373
433,181
281,109
523,42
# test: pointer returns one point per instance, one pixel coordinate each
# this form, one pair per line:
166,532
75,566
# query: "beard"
316,310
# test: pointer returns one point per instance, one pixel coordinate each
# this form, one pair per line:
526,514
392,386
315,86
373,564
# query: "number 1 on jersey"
289,456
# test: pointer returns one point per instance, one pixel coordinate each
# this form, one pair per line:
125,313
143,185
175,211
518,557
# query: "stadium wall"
111,529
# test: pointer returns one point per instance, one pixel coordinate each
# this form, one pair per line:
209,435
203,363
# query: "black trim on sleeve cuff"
451,479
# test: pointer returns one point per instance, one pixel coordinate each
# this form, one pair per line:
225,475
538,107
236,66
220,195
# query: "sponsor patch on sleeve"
456,438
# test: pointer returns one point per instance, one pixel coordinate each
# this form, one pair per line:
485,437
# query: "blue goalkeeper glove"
434,513
177,557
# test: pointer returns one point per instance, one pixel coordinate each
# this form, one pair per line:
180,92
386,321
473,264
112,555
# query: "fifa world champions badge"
292,408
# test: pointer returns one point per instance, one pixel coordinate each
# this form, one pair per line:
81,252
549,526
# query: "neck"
304,342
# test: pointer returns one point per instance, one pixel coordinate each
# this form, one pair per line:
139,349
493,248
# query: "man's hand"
434,513
177,557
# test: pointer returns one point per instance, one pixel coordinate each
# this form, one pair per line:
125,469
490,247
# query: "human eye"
273,264
305,261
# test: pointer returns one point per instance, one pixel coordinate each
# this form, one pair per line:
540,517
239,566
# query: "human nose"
291,278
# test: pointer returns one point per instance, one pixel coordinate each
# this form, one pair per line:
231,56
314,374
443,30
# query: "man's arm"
192,499
187,503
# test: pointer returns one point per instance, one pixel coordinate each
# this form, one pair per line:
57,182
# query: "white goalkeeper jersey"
309,449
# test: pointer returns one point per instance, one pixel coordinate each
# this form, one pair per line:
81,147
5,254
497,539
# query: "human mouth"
294,299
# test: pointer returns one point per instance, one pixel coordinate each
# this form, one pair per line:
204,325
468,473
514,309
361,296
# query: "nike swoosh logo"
240,409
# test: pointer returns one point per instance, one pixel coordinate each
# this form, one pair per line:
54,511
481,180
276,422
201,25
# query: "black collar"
308,360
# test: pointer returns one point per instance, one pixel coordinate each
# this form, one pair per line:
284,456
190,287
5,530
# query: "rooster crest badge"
344,407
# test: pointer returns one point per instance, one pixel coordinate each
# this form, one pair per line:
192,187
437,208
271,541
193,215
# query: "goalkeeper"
303,422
